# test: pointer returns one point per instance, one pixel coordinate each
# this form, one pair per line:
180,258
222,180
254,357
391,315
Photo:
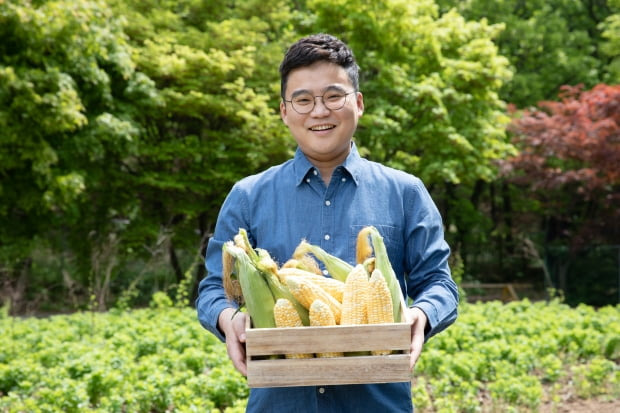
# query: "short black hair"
315,48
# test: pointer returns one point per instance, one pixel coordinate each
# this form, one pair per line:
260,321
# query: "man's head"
321,103
316,48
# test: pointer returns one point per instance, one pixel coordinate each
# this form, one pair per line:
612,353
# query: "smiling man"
325,195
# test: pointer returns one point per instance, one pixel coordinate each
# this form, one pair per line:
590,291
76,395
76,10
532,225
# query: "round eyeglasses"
304,103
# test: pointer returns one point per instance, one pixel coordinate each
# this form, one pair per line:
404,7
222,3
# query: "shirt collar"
353,165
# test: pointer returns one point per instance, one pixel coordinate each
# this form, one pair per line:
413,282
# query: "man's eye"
334,97
304,100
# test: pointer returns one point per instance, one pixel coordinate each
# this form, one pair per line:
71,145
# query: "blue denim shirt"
290,202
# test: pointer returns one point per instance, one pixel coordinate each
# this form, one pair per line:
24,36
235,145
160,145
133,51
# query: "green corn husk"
336,267
268,269
257,297
382,262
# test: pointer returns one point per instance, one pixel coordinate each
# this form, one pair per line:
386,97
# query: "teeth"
321,127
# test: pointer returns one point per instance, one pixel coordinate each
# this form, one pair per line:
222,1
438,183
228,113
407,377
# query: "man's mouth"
319,128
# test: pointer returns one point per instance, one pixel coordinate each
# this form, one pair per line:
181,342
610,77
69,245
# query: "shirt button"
325,272
308,180
315,172
326,237
328,203
343,179
321,390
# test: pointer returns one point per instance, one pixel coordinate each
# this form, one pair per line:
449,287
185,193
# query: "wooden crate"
265,371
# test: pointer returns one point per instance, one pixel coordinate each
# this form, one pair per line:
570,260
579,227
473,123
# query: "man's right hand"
232,323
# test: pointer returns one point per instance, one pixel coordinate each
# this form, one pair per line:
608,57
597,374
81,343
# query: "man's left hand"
418,320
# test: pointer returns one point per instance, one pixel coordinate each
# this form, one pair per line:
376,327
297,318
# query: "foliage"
569,161
66,79
141,361
550,43
610,47
123,124
517,353
431,86
160,359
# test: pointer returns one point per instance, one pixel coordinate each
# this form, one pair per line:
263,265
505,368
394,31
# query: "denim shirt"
290,202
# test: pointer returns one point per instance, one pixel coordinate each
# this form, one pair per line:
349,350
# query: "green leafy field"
511,357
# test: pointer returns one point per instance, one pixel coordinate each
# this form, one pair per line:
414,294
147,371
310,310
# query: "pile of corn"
298,294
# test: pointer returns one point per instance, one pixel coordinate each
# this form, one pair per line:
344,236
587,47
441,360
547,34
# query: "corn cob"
230,281
382,262
363,249
285,315
257,296
379,304
322,315
334,287
336,267
355,297
305,291
304,262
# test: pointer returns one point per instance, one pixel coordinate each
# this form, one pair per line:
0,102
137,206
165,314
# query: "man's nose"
319,108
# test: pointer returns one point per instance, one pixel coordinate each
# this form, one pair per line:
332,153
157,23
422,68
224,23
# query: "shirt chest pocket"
392,239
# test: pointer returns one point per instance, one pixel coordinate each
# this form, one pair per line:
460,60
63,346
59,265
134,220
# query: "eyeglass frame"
322,99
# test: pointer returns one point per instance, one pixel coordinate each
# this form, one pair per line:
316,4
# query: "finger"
416,350
236,353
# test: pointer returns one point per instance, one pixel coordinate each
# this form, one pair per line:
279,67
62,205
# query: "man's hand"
418,319
232,323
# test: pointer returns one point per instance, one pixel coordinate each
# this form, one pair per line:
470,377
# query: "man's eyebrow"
299,92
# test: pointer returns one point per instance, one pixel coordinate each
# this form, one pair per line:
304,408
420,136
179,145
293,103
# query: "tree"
549,43
215,71
431,84
65,78
569,161
610,47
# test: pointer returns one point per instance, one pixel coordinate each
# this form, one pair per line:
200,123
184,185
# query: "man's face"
323,135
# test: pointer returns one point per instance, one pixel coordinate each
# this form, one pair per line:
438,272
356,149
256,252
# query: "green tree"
215,69
610,46
549,43
431,84
66,77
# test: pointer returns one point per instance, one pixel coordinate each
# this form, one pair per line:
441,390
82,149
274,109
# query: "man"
326,194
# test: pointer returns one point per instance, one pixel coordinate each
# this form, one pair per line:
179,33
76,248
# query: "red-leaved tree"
569,162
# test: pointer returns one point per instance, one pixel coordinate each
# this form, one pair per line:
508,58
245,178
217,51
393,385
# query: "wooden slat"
328,371
267,341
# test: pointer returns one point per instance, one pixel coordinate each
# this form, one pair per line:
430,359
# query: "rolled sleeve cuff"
435,321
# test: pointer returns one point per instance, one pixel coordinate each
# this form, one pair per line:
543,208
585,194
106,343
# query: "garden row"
514,356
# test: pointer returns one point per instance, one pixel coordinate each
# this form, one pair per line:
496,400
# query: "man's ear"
283,113
360,103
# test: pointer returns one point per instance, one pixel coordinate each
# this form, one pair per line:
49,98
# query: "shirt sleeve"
212,299
429,281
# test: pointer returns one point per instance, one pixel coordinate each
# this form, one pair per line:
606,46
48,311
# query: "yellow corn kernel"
334,287
355,297
305,291
322,315
285,315
380,308
363,248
